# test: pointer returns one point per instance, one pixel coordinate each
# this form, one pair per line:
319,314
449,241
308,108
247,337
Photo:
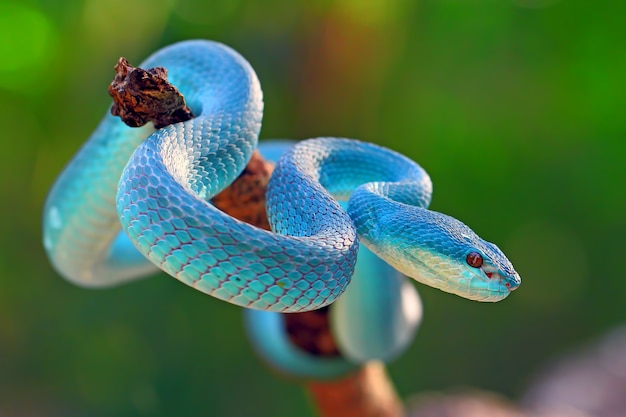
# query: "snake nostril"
512,286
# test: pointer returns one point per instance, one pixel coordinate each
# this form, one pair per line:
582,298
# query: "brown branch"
310,331
141,96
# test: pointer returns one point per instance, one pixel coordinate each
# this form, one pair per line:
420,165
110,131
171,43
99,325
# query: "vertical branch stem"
367,393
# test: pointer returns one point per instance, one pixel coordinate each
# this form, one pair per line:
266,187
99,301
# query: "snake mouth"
490,272
511,282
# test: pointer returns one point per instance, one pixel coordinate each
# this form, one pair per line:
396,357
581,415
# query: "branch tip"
141,96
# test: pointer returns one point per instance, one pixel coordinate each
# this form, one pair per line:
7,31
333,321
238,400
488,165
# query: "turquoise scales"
168,176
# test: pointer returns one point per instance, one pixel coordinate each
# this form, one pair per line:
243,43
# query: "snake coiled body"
133,198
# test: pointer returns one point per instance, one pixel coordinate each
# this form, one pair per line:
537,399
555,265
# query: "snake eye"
474,259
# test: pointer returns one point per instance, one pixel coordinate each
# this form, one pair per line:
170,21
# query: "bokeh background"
515,107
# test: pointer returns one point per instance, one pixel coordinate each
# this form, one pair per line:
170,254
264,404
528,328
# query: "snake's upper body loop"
157,186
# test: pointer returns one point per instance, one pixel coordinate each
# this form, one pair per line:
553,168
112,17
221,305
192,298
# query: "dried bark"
142,96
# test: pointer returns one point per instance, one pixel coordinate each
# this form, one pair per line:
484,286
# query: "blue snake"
135,200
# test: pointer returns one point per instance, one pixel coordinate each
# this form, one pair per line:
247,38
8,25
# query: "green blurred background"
516,109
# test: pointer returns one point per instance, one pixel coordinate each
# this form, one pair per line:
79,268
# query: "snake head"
439,251
455,259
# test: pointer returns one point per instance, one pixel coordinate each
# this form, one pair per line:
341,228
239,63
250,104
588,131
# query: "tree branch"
141,96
